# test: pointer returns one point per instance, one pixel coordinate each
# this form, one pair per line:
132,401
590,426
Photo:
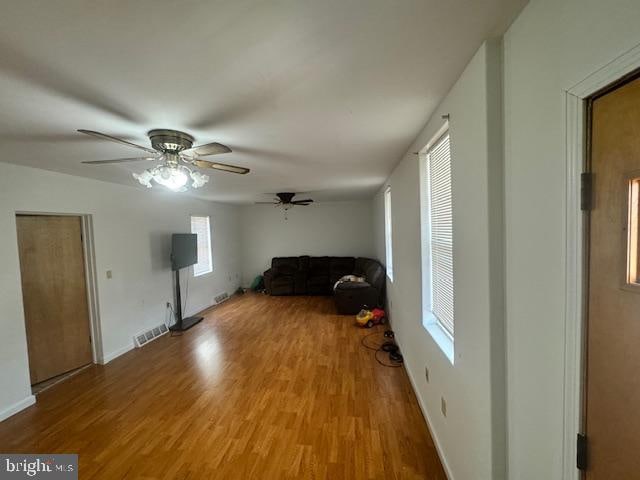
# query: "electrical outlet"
109,274
443,406
426,373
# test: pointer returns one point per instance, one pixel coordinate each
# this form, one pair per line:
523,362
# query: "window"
437,244
388,244
201,227
633,233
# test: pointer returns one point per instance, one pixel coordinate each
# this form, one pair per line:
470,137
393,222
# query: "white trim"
92,286
573,287
209,235
608,74
388,231
439,335
17,407
425,413
439,134
573,254
116,353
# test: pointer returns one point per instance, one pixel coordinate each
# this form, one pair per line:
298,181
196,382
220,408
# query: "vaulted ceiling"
319,96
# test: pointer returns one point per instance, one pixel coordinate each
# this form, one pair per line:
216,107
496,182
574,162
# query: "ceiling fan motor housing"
286,197
170,141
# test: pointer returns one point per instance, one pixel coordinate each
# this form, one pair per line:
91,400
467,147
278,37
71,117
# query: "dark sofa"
317,276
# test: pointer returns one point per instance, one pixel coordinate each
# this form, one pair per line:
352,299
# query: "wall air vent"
147,336
221,298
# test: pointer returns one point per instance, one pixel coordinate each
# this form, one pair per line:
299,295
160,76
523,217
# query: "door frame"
90,272
576,149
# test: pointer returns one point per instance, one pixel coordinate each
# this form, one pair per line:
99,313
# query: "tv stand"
185,324
182,324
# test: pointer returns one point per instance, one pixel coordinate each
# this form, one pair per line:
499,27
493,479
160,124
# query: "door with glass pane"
612,393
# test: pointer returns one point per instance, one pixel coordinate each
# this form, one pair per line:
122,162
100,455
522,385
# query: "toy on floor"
369,318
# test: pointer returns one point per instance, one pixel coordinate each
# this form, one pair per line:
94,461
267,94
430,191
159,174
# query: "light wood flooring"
264,388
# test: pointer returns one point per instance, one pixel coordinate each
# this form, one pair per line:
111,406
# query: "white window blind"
441,232
388,233
201,227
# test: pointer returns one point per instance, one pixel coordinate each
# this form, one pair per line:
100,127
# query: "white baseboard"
17,407
425,413
115,354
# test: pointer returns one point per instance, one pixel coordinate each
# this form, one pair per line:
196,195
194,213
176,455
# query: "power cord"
387,346
186,295
173,315
175,320
395,358
184,309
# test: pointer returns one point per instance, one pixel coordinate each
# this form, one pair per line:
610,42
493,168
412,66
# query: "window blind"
201,227
441,223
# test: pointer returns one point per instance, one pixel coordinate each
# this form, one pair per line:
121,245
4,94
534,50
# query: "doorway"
612,340
55,297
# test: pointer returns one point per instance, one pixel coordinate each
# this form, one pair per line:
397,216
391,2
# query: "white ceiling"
319,96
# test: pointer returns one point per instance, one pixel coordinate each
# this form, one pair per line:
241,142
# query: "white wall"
327,228
131,232
553,45
471,437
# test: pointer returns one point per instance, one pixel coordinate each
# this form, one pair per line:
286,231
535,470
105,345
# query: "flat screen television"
184,250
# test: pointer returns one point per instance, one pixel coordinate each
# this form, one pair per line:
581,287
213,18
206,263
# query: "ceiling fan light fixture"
144,178
174,149
174,177
199,179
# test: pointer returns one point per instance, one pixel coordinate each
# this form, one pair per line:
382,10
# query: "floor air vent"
221,298
148,336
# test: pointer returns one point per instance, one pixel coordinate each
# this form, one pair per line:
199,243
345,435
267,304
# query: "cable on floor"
387,346
392,363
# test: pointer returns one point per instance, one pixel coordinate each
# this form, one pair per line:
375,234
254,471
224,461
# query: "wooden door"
54,294
612,402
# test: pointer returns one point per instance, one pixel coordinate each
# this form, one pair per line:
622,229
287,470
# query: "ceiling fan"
286,201
178,155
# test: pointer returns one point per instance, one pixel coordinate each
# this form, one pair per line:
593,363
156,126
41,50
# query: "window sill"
442,338
202,274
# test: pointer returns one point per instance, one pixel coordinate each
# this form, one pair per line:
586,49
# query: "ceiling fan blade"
104,136
266,203
119,160
300,202
220,166
208,149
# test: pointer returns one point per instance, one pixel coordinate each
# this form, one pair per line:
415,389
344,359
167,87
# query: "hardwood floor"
264,388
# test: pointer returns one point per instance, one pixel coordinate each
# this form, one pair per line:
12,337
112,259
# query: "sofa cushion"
282,286
303,263
284,265
361,266
300,283
318,285
319,266
339,267
371,270
374,274
350,301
